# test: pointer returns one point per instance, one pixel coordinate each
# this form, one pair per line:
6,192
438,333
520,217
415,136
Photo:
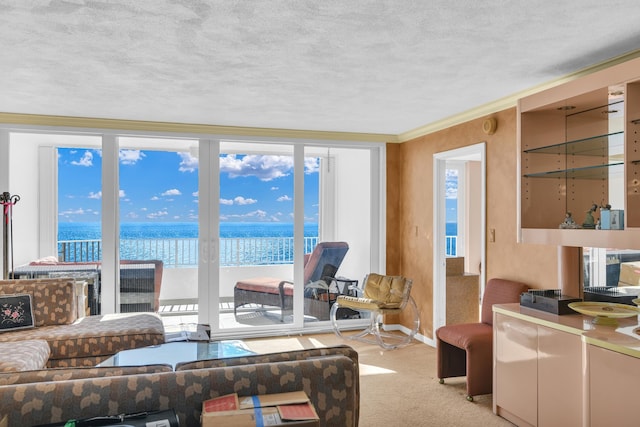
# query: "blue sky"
163,187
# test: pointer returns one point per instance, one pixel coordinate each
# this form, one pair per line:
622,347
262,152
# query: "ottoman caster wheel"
470,398
441,381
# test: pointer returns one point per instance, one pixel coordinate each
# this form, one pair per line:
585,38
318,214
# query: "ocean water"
180,230
176,243
173,230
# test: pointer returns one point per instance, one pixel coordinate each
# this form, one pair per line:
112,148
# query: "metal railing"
451,245
239,251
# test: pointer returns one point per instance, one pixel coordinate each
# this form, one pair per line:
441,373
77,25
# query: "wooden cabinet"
552,370
516,370
612,389
579,145
538,374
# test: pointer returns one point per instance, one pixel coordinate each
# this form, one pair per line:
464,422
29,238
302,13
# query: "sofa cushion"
23,355
269,285
94,337
54,300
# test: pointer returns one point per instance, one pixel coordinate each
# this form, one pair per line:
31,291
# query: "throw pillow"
15,312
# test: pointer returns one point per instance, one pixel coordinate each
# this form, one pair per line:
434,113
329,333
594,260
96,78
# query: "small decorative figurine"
569,222
589,221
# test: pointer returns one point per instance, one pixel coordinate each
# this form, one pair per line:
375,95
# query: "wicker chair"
381,295
319,269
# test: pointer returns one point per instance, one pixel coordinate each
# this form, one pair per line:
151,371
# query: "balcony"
239,258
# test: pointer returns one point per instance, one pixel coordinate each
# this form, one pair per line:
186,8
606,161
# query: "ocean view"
180,230
176,243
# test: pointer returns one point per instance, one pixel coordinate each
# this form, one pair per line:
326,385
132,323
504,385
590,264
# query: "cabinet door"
614,379
559,378
515,390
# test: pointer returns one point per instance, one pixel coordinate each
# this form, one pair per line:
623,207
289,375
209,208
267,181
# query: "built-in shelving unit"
579,145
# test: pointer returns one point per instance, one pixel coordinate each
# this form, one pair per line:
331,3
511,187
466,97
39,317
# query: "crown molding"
511,100
187,128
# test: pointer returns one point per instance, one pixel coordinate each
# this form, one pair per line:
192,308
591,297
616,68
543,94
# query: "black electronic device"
611,294
549,300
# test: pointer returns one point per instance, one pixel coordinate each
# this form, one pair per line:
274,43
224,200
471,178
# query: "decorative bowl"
605,313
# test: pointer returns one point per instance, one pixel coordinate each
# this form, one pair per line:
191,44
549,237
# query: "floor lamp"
7,201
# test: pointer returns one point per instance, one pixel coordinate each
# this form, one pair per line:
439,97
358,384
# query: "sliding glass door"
178,225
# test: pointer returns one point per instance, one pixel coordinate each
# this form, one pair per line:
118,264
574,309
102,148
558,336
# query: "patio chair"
319,270
466,349
381,295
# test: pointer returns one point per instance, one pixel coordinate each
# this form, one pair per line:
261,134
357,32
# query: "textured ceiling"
385,66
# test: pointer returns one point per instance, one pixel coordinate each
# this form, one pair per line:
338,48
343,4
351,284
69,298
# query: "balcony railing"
184,252
451,245
239,251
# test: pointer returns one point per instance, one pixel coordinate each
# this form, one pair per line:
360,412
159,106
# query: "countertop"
623,338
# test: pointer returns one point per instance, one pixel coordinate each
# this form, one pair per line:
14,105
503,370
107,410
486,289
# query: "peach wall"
410,211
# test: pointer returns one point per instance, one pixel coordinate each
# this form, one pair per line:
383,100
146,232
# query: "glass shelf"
600,145
588,172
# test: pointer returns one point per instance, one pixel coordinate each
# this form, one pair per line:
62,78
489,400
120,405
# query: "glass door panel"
256,236
58,221
342,178
158,245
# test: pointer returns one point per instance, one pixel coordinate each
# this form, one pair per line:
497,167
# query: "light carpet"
399,387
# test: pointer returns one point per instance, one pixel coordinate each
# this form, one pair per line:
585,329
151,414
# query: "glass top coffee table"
173,353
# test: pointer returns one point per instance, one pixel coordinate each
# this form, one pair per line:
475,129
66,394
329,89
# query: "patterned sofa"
74,340
329,376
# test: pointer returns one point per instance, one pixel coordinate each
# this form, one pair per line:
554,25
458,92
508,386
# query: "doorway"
459,198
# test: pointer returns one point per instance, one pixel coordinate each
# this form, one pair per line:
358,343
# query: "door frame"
475,152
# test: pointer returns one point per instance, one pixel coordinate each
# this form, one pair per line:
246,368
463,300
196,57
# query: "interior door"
468,189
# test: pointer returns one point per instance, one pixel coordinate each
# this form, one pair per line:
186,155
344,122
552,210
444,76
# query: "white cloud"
172,192
239,200
311,165
158,214
195,194
130,157
155,198
265,168
275,188
451,184
284,198
86,160
188,163
242,201
68,212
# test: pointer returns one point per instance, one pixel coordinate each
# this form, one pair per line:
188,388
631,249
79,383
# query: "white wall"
23,181
473,219
353,212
